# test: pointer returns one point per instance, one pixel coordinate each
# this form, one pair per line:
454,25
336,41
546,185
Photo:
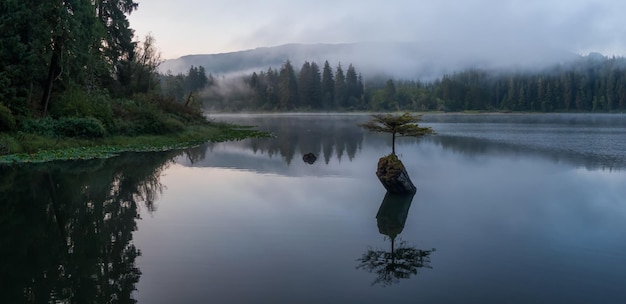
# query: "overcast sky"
185,27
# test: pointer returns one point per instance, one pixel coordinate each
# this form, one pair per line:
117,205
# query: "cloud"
474,26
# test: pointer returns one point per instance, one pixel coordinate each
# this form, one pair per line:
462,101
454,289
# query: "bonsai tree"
401,125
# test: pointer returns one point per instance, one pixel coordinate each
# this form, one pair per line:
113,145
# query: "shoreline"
83,149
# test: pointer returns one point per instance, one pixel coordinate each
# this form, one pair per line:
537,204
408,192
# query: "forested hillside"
593,83
73,75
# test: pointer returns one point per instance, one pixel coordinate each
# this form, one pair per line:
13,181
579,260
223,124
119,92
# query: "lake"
509,208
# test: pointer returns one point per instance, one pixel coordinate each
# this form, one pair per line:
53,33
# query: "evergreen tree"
341,94
352,88
117,41
287,87
316,87
305,84
271,87
23,39
390,95
328,87
309,86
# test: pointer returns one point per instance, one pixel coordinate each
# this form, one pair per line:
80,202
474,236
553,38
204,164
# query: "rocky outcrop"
393,175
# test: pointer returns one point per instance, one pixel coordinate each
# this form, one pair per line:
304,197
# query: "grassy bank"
18,148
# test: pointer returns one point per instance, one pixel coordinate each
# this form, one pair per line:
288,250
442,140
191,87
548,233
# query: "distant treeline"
593,83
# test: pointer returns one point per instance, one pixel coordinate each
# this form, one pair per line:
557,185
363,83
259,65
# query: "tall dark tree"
305,83
195,81
117,41
352,88
341,93
328,87
316,87
390,94
71,50
23,34
309,86
287,87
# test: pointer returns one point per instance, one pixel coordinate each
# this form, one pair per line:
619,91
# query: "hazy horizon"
473,26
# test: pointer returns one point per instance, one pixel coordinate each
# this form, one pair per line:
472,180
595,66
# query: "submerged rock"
309,158
393,175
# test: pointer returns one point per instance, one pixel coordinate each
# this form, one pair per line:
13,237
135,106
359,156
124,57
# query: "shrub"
7,120
76,102
87,127
43,126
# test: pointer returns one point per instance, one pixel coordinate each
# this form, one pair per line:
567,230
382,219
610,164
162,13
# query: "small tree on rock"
402,125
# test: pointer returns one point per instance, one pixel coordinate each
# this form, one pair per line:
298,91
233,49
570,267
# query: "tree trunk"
52,74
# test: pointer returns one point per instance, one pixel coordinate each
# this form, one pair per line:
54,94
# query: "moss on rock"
392,174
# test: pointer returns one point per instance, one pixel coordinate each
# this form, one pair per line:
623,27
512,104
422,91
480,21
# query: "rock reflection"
325,136
402,261
67,228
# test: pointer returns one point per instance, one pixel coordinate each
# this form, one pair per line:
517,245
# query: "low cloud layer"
512,28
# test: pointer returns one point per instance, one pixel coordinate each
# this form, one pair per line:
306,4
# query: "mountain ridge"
409,60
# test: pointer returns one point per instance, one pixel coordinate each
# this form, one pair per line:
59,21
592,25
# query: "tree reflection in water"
402,261
67,228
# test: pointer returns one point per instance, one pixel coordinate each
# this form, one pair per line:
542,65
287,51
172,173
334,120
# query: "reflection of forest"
318,134
338,135
67,228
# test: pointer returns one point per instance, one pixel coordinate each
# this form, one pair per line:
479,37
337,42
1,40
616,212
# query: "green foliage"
402,125
43,126
33,148
7,121
85,127
79,103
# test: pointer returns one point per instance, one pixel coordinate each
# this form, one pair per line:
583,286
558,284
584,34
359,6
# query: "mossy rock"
392,174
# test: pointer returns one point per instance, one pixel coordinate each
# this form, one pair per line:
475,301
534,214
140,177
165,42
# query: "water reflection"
67,228
402,261
325,135
588,140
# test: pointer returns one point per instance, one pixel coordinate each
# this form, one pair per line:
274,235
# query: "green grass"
20,148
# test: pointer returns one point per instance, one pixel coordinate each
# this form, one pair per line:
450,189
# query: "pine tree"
305,83
352,88
287,87
341,94
316,87
328,87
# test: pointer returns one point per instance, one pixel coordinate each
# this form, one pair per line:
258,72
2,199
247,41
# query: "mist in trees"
290,89
592,84
185,88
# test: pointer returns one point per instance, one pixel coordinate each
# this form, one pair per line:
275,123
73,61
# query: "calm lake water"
508,209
